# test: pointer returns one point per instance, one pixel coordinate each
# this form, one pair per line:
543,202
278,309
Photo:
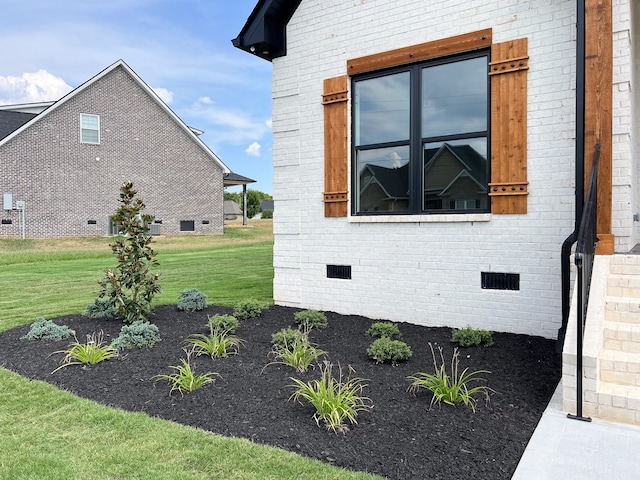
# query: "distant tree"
234,196
254,198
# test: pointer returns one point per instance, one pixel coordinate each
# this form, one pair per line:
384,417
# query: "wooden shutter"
508,188
336,156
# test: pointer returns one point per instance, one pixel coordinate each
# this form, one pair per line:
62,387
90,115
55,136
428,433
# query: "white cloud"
253,150
40,86
164,94
269,124
228,125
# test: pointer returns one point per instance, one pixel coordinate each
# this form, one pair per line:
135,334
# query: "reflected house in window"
384,189
455,177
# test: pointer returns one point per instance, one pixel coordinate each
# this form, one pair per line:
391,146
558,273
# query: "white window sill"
449,218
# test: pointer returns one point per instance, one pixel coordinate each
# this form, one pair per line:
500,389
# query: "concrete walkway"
566,449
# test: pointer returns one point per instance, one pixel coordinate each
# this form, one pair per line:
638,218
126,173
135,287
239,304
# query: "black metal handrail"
584,256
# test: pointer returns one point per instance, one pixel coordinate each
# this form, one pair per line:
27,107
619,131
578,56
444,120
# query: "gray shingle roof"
11,121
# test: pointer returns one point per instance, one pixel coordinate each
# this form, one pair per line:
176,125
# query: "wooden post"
598,111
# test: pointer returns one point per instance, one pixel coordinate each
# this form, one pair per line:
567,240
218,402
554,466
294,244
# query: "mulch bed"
400,438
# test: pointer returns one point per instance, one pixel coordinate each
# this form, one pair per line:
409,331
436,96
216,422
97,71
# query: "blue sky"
180,48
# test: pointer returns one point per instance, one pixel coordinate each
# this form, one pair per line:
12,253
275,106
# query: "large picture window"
420,137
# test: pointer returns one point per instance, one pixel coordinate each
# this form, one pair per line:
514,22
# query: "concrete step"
625,265
618,403
624,337
620,368
622,309
627,286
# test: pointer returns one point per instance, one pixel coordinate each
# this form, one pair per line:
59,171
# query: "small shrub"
385,350
337,400
248,309
43,329
384,329
309,319
285,337
185,378
192,300
470,337
139,334
219,343
267,214
299,354
101,308
227,323
90,353
450,388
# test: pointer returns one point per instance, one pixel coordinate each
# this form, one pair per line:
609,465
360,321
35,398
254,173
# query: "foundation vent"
342,272
500,281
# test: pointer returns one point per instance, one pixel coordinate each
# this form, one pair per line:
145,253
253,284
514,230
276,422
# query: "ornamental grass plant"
185,379
218,344
94,351
451,388
337,399
298,353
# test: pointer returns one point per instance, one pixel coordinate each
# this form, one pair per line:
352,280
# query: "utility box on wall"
7,201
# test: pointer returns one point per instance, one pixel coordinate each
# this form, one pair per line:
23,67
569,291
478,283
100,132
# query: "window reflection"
382,109
383,179
420,137
454,98
455,175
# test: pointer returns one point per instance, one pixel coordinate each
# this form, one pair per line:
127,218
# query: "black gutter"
579,178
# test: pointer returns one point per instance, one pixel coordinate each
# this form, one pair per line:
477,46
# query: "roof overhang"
233,179
265,32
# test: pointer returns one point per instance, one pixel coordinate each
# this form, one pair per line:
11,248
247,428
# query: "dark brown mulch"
400,438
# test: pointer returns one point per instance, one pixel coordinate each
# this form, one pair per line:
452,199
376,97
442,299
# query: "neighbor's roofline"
265,32
145,87
35,107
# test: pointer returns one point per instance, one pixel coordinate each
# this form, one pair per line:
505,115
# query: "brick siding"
65,183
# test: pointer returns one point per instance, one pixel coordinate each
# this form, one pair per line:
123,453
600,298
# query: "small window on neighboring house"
421,135
90,128
187,226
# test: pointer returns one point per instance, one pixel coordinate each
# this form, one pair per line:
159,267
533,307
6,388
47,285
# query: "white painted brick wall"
624,200
426,272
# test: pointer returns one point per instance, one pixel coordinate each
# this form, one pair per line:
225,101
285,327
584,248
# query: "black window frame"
416,142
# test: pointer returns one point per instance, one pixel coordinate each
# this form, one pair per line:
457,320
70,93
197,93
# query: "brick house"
67,159
532,87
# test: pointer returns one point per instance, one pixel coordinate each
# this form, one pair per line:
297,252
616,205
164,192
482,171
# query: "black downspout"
579,178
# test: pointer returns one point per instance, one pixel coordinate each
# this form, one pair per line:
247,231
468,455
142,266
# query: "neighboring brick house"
365,85
66,161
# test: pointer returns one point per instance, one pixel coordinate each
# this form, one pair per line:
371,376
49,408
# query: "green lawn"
49,278
46,433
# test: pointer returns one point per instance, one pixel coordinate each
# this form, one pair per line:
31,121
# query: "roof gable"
265,32
152,95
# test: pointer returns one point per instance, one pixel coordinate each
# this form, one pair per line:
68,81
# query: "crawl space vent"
500,281
339,271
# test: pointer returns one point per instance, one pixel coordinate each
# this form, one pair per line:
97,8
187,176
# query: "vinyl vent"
339,271
501,281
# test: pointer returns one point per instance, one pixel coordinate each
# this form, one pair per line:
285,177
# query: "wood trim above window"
461,43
